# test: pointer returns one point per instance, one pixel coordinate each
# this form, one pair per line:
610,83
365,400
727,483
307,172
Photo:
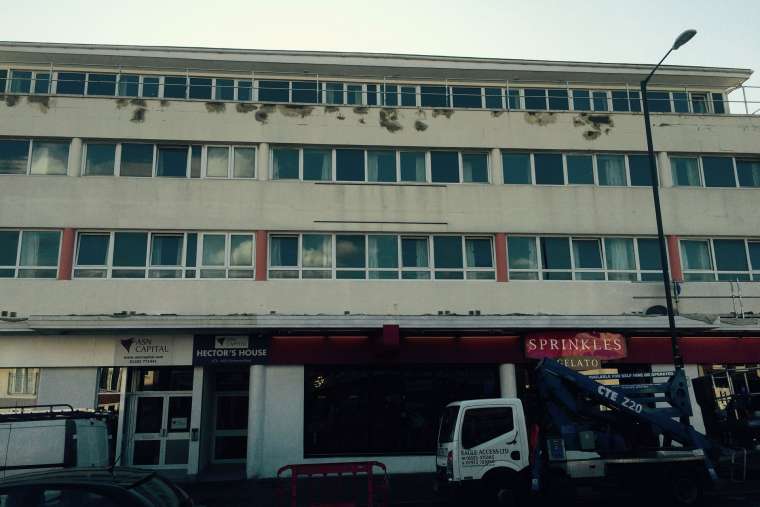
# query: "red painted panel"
501,257
261,255
66,258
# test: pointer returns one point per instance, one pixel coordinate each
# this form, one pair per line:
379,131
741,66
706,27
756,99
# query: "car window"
54,497
483,424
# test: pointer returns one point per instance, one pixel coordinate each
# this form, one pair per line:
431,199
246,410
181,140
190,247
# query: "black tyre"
685,489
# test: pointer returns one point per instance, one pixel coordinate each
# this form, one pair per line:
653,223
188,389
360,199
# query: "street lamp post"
677,358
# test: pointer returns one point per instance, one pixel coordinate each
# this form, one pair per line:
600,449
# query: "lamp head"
684,38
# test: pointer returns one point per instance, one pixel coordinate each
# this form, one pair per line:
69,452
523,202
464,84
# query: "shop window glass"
382,253
381,165
305,92
718,171
444,166
13,156
433,96
475,167
317,164
136,160
516,168
685,171
413,166
555,256
535,99
168,378
244,163
38,257
101,84
349,165
50,157
350,256
217,161
415,258
611,170
70,83
172,161
466,97
640,173
549,169
447,256
558,100
748,171
129,252
581,100
175,87
580,169
100,159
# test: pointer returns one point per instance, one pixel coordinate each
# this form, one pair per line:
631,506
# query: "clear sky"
637,31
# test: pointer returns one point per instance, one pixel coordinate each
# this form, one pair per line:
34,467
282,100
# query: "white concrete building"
267,257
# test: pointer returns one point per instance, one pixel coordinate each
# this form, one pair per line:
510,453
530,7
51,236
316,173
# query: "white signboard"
144,351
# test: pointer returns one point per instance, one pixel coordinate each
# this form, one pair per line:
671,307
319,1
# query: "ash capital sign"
585,344
233,349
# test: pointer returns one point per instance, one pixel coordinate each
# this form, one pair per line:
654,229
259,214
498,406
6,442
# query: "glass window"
475,167
21,81
748,171
349,165
350,256
8,253
696,256
305,92
659,102
334,93
513,98
128,85
244,163
41,82
581,100
200,88
316,252
70,83
225,89
681,102
580,169
549,169
699,103
611,170
415,258
382,252
479,255
101,84
100,159
620,258
516,168
649,255
600,101
413,166
129,251
92,250
587,254
50,157
620,101
481,425
718,104
150,86
217,161
718,171
241,255
641,174
195,161
444,166
172,161
685,171
408,96
466,97
166,251
433,96
245,90
354,94
136,160
730,255
285,163
447,255
381,165
38,257
535,98
522,256
3,80
555,255
390,95
371,95
558,100
213,255
754,255
634,98
317,164
175,87
13,156
493,98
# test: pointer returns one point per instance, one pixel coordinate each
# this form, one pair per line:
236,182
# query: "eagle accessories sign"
577,350
234,349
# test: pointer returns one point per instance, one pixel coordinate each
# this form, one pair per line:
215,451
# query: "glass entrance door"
230,427
161,430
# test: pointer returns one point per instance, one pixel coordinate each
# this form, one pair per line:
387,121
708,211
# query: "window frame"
701,170
18,267
752,273
30,152
227,266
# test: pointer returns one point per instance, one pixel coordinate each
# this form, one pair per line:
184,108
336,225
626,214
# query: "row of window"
342,93
133,254
41,156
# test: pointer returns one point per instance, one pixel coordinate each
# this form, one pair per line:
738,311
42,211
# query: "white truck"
582,433
51,436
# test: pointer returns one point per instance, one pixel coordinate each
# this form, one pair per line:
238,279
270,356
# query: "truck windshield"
448,422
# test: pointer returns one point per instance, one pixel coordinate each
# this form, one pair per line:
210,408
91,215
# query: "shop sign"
234,349
580,363
144,351
567,344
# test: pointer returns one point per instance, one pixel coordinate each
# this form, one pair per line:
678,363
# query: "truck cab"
483,443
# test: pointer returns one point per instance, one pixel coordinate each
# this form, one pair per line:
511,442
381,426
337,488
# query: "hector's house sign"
233,349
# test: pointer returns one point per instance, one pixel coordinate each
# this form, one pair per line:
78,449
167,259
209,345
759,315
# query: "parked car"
91,487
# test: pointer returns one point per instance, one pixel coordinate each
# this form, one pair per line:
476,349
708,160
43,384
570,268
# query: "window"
371,95
718,171
273,91
433,96
136,160
389,93
710,171
513,98
99,159
444,166
129,254
283,257
285,163
334,93
685,171
317,164
29,254
481,425
23,381
245,91
382,256
408,96
375,411
474,168
14,156
101,84
413,167
150,86
639,171
747,170
175,87
450,260
699,103
3,80
580,169
381,165
49,157
535,99
516,168
680,102
466,97
305,92
166,256
217,161
200,88
315,259
92,255
354,94
172,161
70,83
558,100
659,102
349,165
611,170
350,256
129,86
581,100
494,98
548,169
415,258
717,103
583,258
705,260
600,101
227,255
244,162
21,82
697,261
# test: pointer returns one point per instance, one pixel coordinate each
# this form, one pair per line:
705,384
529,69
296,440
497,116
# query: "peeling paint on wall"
164,103
539,118
138,115
243,107
42,100
361,110
292,111
138,102
11,100
420,126
331,109
389,120
496,114
595,125
216,107
122,103
261,116
340,116
443,112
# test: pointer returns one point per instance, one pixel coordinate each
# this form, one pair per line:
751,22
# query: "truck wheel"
685,489
502,490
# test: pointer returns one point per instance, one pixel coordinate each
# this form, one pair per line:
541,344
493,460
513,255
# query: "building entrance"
229,441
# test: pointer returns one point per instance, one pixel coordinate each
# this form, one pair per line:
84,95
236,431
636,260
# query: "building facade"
259,258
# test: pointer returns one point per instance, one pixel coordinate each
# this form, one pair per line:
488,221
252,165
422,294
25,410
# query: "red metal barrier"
351,469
